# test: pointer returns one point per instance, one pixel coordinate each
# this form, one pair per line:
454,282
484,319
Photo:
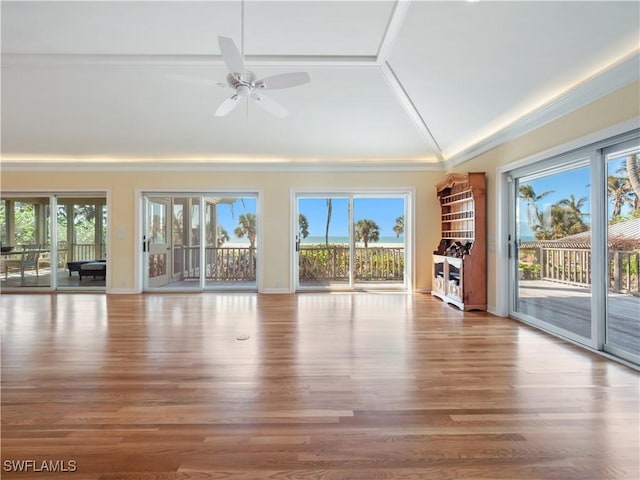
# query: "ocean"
312,240
319,240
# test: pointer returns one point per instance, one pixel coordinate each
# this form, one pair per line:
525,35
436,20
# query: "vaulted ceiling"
391,81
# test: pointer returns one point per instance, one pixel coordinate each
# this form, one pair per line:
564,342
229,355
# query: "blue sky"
228,214
576,182
383,211
561,185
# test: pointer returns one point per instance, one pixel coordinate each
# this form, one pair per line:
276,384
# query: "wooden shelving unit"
460,261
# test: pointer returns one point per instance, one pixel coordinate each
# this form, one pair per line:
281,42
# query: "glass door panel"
81,232
231,240
172,234
553,242
379,242
323,242
158,242
225,225
26,226
623,240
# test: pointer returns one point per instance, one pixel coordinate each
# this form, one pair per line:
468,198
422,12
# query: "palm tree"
573,207
329,210
399,226
303,226
527,193
222,236
633,172
565,221
542,226
247,226
366,231
620,192
629,170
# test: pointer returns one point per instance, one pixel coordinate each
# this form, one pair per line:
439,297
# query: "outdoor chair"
28,259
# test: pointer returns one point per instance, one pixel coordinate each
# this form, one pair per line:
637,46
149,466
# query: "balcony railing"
572,266
316,263
229,264
331,263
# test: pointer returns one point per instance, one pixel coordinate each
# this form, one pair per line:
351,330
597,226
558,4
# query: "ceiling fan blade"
270,105
231,55
226,106
284,80
194,80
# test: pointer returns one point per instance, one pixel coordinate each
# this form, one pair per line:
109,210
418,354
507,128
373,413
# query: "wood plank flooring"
342,386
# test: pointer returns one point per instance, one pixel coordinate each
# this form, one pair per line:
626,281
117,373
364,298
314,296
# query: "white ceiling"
398,82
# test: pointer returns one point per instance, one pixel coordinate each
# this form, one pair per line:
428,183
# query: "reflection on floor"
193,285
43,279
569,307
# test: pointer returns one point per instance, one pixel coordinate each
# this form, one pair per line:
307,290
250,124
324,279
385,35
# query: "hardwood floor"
343,386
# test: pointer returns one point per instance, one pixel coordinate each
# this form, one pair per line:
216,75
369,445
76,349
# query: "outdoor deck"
569,307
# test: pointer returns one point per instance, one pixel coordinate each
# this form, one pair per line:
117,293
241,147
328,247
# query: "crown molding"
614,78
245,167
15,60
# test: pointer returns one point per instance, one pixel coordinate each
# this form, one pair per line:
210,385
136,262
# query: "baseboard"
423,290
122,291
275,291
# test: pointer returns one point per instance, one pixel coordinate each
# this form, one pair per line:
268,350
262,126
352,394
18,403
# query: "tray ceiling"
393,82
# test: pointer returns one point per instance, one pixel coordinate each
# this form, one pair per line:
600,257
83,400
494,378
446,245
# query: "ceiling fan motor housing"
243,84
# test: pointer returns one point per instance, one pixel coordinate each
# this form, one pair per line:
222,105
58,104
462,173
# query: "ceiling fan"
246,85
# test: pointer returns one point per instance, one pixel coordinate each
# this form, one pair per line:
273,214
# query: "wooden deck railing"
625,271
332,263
572,266
87,251
231,264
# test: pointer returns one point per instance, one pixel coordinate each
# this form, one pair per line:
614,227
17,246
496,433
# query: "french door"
196,242
156,238
347,241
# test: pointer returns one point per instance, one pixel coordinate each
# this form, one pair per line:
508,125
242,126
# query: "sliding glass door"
53,241
575,246
347,241
200,242
378,234
553,238
323,242
622,336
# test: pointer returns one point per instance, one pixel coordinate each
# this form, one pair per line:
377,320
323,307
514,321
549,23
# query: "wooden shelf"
456,198
459,262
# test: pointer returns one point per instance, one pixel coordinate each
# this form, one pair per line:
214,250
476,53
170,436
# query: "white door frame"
140,256
407,193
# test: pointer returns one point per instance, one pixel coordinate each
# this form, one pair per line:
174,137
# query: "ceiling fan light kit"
245,85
